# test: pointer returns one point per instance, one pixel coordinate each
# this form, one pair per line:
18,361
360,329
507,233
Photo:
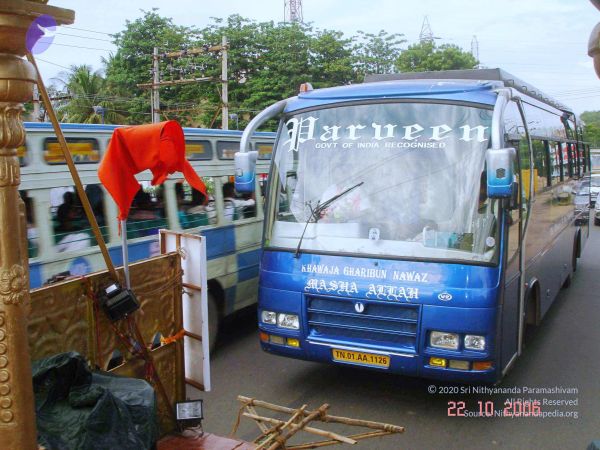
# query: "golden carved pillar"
17,76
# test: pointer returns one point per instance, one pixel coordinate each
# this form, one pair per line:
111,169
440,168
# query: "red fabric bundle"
159,147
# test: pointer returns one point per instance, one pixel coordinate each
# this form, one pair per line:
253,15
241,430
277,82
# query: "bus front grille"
380,324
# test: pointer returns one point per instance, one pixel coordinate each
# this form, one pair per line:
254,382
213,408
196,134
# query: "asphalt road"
564,352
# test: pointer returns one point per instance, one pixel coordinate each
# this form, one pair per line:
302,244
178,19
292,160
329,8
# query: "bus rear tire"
213,322
569,278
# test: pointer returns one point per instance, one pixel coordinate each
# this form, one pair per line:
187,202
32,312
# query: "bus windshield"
417,179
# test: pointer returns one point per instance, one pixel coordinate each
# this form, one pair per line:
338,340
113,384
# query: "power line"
85,48
84,37
49,62
84,29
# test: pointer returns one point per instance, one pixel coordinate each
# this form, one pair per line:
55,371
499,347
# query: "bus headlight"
473,342
268,317
440,339
289,321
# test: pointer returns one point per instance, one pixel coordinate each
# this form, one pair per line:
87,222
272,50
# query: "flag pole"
125,253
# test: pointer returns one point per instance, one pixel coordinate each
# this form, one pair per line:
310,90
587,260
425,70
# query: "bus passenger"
233,205
71,236
95,196
142,208
198,202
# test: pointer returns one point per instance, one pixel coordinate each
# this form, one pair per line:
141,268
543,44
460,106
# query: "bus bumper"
399,363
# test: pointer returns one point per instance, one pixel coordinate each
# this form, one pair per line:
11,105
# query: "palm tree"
90,101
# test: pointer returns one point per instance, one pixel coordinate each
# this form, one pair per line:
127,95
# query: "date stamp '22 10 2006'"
511,402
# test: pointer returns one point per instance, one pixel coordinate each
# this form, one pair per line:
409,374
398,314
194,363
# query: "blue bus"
417,223
232,227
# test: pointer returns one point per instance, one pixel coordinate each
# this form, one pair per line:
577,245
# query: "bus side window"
555,163
71,227
83,150
68,220
196,150
524,165
32,235
22,155
522,177
540,170
264,149
193,209
566,161
236,206
227,149
147,213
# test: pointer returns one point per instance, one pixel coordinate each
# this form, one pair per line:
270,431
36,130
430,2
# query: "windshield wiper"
315,214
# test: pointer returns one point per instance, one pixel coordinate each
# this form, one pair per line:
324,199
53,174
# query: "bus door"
516,219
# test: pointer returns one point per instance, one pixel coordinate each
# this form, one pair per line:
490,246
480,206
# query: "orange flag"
159,147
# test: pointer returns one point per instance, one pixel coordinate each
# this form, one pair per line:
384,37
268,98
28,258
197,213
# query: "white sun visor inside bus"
500,172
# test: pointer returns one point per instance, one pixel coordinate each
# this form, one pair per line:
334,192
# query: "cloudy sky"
543,42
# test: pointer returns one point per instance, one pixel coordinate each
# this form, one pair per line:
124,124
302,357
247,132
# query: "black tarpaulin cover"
80,409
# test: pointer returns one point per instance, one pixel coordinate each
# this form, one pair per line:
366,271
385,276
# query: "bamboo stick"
318,432
263,427
318,444
265,439
297,427
299,413
326,418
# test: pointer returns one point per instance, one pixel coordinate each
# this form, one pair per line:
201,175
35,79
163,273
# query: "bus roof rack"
472,74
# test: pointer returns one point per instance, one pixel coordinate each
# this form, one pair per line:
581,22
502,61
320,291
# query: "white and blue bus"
417,223
61,242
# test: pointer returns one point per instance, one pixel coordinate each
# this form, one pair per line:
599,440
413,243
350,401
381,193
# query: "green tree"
331,59
268,62
591,127
89,102
132,63
427,56
376,53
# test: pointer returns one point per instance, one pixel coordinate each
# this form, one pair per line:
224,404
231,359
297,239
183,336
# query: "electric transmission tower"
475,51
292,11
475,48
426,35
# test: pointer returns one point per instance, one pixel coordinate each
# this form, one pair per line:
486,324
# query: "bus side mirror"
245,171
500,172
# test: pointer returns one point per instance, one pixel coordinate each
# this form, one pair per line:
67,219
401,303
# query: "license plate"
368,359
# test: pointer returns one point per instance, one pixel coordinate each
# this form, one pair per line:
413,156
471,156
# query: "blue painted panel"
247,264
35,275
219,241
137,251
414,282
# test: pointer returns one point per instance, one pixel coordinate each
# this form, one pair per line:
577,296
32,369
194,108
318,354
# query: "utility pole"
224,86
36,105
155,84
